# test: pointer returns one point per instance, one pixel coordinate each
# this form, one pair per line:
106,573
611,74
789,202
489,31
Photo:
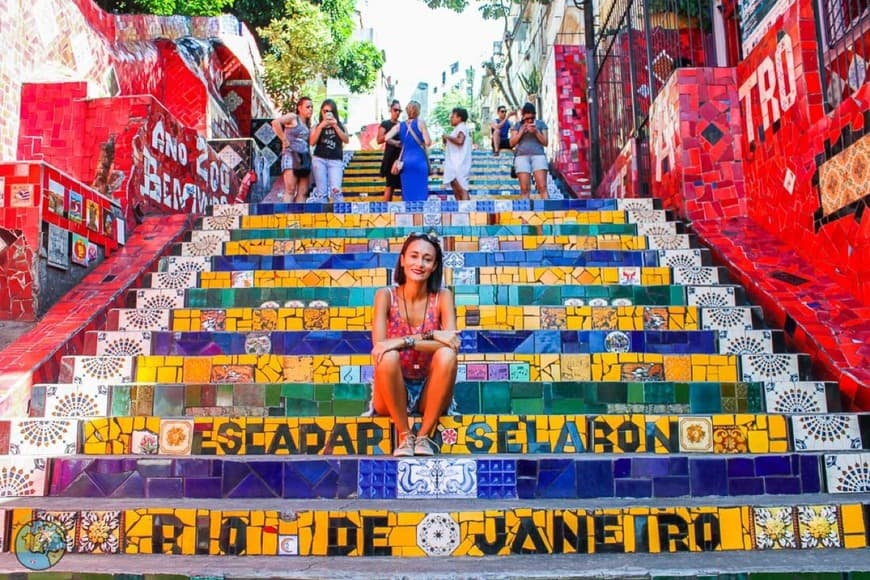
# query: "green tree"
167,7
440,114
358,65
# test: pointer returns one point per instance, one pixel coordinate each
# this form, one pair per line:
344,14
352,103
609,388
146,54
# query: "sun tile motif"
187,264
99,532
122,343
773,528
769,367
102,370
696,276
669,242
745,342
176,436
220,222
710,296
730,318
696,434
159,299
680,258
22,476
848,472
130,319
819,526
43,437
789,398
76,401
826,432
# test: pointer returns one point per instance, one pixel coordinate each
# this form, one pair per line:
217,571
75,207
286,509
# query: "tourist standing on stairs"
328,137
415,158
500,131
457,154
392,148
415,342
293,130
528,138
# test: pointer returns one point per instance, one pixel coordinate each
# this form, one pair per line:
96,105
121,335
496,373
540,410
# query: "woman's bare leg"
390,396
301,189
541,182
438,392
525,180
289,185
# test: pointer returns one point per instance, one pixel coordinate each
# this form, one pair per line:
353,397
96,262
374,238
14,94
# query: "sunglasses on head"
432,237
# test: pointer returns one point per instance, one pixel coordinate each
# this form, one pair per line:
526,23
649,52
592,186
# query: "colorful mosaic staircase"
616,393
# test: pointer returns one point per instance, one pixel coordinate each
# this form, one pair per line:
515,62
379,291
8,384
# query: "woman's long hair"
332,107
433,284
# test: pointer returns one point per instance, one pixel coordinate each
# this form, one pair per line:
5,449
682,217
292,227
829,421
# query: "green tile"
527,406
636,393
682,392
496,398
349,408
193,396
323,392
610,393
224,395
526,390
351,392
569,406
273,395
169,400
298,391
301,408
120,401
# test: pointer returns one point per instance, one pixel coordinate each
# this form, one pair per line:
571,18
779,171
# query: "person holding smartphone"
327,165
528,138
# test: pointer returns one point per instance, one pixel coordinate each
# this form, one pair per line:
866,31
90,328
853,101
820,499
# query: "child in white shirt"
457,154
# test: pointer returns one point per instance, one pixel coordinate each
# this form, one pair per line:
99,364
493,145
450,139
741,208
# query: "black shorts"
504,144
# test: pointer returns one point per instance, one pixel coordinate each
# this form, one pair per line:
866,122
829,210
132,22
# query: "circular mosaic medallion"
617,341
438,534
40,545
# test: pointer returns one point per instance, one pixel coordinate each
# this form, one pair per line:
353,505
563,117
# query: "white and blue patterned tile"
732,318
711,296
795,397
488,244
826,432
454,260
669,242
159,299
102,370
76,401
636,216
657,229
696,276
43,437
185,264
639,203
404,220
819,526
123,343
503,206
680,258
438,477
848,472
464,277
174,280
221,222
745,341
438,534
154,319
432,219
769,367
23,476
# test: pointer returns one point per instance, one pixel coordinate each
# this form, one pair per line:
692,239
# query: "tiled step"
662,232
454,260
484,397
737,324
366,529
507,477
448,244
488,275
506,296
437,206
717,434
349,342
376,220
274,368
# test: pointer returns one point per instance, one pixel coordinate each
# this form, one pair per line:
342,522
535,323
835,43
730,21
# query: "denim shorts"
530,163
414,388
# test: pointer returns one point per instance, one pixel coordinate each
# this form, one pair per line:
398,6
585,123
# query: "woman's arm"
515,135
380,343
315,132
458,140
394,130
278,126
340,131
381,135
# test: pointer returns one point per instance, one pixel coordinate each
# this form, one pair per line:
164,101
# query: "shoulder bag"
420,143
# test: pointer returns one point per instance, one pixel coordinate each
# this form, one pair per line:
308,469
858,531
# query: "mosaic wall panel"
461,533
572,157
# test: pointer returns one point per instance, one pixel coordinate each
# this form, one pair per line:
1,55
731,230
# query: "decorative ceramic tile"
222,222
617,341
428,478
186,264
176,436
696,276
773,528
76,401
636,216
730,318
159,299
696,434
680,258
288,545
629,276
144,442
488,244
464,277
438,534
454,260
404,220
123,343
638,203
503,206
237,209
145,318
102,370
99,532
669,242
242,279
431,219
745,341
769,367
174,280
710,296
211,240
848,472
828,432
23,476
819,526
43,437
788,398
657,229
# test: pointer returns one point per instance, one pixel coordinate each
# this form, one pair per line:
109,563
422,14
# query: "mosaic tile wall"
572,157
622,178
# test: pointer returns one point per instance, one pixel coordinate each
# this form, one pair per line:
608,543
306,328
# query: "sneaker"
406,447
425,446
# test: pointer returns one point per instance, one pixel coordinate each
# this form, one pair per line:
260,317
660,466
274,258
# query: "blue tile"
633,488
810,471
594,478
708,477
746,486
622,467
671,487
773,465
741,467
782,485
650,466
202,487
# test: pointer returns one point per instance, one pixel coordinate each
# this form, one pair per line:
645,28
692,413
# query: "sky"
420,42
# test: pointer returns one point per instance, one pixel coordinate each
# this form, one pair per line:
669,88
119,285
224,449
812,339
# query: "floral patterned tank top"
415,365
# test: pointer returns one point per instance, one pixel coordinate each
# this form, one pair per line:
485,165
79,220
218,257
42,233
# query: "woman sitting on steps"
415,344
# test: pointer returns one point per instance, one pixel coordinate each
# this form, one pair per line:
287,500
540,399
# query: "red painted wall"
572,158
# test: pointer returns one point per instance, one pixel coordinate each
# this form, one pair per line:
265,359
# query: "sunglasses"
528,119
502,111
396,110
431,237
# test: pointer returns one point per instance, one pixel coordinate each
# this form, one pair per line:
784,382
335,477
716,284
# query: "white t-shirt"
457,158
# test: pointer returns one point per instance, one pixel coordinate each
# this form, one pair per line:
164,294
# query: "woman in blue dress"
415,142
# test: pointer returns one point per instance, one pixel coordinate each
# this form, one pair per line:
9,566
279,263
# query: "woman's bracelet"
428,335
408,343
